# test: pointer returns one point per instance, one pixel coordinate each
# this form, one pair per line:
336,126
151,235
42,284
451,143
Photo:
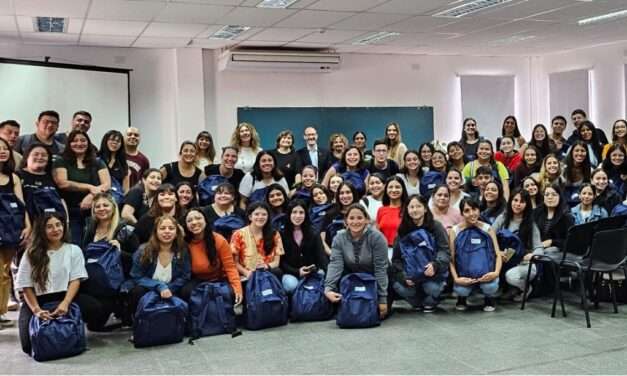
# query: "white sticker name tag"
475,241
309,287
13,205
266,292
49,210
360,288
422,244
431,186
92,260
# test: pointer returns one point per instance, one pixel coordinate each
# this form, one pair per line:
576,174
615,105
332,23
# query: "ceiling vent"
280,61
50,24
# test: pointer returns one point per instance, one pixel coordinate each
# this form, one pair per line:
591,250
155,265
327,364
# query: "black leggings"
95,312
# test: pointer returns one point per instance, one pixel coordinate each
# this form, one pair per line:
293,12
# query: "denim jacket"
598,212
142,273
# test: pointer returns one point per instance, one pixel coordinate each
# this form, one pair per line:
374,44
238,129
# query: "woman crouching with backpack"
420,238
475,257
360,248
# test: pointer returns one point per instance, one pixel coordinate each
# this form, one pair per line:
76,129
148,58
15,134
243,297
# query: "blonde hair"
254,136
544,179
115,215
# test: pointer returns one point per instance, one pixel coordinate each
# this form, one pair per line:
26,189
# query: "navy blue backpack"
207,189
104,267
571,194
266,301
418,249
211,310
117,192
57,338
44,200
309,302
359,307
474,253
508,239
12,212
302,194
227,224
429,181
159,321
278,222
332,229
356,180
258,195
620,209
316,215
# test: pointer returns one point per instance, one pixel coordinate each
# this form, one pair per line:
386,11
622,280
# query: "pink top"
450,219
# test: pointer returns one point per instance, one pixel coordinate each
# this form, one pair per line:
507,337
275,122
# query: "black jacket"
310,252
324,160
558,229
608,199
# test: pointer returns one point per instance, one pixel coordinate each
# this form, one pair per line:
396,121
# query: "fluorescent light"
512,39
376,37
604,17
229,32
469,8
50,24
275,3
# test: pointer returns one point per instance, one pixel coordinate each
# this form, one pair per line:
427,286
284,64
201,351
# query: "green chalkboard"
416,122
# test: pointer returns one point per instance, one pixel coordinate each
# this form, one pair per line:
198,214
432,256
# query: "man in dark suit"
314,155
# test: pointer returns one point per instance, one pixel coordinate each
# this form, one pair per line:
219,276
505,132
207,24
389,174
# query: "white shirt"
313,155
246,158
411,189
246,186
372,207
66,265
163,273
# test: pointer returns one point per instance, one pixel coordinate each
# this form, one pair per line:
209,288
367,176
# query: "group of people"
220,214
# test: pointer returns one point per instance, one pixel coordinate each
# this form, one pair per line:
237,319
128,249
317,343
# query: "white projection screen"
29,87
488,99
568,91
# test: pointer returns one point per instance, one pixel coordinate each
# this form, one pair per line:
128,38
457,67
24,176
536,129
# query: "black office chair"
576,247
608,253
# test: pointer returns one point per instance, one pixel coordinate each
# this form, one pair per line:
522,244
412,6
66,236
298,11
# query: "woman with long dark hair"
206,150
257,245
304,253
161,264
389,214
416,215
113,153
619,136
470,139
287,159
186,195
615,166
51,271
456,157
493,202
139,198
518,218
530,164
605,195
80,175
541,141
576,172
553,219
223,209
183,169
411,172
587,211
210,255
531,186
345,196
352,162
265,173
510,129
165,202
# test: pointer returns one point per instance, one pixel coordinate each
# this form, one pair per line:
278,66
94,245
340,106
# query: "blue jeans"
488,289
432,290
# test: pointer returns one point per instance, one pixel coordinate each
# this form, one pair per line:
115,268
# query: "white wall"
373,80
607,84
167,90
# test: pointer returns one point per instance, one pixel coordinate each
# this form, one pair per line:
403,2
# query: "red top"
510,162
388,220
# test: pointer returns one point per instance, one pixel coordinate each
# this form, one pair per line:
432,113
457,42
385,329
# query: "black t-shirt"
135,199
390,169
235,178
289,164
174,175
117,172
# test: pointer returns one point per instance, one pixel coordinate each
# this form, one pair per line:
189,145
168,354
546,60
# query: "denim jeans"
431,289
488,289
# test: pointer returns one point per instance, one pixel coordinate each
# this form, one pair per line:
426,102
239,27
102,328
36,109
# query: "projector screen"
29,87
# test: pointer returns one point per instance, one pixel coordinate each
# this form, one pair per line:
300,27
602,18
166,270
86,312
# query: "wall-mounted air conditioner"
280,61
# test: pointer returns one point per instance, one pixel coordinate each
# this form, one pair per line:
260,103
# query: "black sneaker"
489,305
461,304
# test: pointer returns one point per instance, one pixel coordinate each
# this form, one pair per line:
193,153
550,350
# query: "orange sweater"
225,267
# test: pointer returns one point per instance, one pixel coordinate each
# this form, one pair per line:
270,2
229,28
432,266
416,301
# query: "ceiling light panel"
608,17
229,32
376,37
50,24
470,8
275,4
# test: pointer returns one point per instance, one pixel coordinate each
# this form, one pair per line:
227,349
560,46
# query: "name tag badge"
266,292
92,260
430,186
475,241
13,205
360,288
308,287
422,244
49,210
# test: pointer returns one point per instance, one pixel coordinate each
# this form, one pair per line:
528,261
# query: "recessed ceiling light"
376,37
275,3
469,8
603,18
229,32
50,24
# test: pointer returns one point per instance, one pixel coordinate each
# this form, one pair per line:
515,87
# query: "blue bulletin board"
416,122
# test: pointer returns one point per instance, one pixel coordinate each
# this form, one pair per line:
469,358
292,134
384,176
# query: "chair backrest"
610,223
579,238
608,247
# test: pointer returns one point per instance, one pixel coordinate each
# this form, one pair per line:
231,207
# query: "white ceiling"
520,27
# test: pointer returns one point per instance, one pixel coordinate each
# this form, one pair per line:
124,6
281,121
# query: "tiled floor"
508,341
